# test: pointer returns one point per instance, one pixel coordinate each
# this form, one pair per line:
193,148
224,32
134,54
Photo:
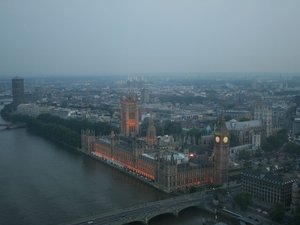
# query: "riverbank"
66,131
125,171
50,128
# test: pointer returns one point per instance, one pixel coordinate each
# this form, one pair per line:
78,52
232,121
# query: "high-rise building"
221,153
17,91
129,115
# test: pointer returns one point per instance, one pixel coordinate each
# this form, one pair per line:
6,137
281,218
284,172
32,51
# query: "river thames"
44,183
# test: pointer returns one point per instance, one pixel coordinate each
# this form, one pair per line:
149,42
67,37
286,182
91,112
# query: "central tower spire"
129,115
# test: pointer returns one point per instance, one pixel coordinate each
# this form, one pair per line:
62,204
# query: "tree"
193,189
292,148
58,129
244,155
171,127
227,117
243,200
275,142
296,219
233,139
195,133
258,153
243,119
145,124
277,213
6,111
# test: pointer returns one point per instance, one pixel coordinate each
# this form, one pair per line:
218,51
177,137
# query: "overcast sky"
91,37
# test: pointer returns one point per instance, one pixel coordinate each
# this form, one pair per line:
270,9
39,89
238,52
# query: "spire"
221,126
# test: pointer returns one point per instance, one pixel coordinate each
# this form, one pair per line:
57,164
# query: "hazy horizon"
78,38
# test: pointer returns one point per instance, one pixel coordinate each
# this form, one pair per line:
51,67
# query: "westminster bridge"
145,212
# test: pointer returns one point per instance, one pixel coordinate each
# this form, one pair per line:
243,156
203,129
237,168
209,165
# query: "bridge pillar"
146,220
175,212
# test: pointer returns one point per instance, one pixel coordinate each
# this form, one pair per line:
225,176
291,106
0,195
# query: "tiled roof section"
236,125
270,177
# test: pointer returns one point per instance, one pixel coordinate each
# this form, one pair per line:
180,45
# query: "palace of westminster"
161,165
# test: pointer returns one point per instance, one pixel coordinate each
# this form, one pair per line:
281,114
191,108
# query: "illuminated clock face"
217,139
225,139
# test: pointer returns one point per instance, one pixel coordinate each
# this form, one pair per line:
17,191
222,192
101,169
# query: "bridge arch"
183,210
160,216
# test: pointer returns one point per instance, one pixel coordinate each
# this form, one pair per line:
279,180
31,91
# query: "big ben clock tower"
221,153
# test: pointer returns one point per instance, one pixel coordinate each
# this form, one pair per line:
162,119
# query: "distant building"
17,91
245,132
34,110
296,127
279,116
236,150
295,205
237,114
263,112
145,96
270,187
61,112
245,136
29,109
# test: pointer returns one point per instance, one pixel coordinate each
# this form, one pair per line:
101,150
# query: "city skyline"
164,132
97,38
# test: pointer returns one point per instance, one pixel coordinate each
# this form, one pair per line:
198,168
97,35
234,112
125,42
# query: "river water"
44,183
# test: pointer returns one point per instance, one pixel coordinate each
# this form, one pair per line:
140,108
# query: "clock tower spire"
221,153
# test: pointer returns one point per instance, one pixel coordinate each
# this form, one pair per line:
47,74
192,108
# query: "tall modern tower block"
17,91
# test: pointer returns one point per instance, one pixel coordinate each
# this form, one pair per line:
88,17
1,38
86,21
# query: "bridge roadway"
145,212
